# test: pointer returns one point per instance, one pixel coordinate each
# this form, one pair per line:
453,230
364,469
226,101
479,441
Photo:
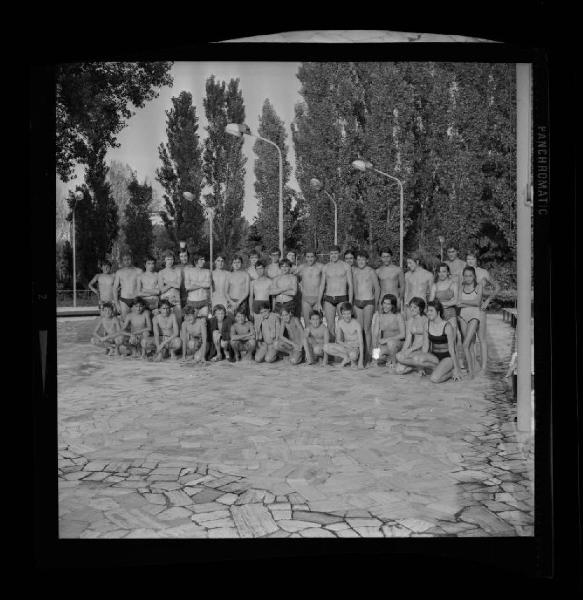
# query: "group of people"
344,308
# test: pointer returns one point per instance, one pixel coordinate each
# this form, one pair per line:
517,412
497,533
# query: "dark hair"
141,301
183,251
241,311
419,303
362,253
168,253
437,305
285,261
236,257
439,266
220,255
150,258
165,302
334,248
392,299
263,304
292,251
414,257
345,306
348,251
315,313
260,263
452,247
310,251
189,310
466,268
275,251
254,253
386,250
106,262
126,253
107,305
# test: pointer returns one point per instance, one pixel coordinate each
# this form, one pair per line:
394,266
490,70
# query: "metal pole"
74,261
523,247
401,203
211,241
280,200
335,224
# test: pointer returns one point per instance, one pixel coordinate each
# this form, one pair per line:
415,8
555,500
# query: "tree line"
446,130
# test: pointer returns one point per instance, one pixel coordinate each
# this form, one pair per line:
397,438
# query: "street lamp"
364,165
441,242
317,185
78,196
239,130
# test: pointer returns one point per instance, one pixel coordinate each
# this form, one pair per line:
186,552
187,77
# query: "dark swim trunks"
259,304
289,306
362,303
128,301
335,300
198,304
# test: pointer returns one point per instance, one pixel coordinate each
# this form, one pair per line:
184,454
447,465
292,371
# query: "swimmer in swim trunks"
148,286
366,298
237,289
315,339
291,337
284,288
242,336
107,332
349,343
197,284
391,277
166,332
139,339
310,278
220,280
126,278
193,335
104,281
267,328
259,290
170,280
253,258
418,282
336,279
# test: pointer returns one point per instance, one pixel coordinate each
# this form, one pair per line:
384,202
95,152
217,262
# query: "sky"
147,128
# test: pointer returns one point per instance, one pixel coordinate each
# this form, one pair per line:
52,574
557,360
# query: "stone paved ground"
223,450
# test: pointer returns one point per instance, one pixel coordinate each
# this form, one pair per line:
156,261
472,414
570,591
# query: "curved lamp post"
318,186
78,196
239,130
365,165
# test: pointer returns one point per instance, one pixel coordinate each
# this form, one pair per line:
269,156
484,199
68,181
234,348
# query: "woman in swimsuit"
438,354
408,357
483,278
470,300
388,329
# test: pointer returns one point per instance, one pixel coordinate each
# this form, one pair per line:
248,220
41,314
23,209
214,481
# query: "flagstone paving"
245,451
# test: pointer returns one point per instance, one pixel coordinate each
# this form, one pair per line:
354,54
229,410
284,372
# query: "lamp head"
441,239
237,129
316,184
361,165
78,195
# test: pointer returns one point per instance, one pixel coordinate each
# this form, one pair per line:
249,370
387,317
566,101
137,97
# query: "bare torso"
351,332
165,324
389,278
293,330
149,284
105,286
273,270
220,280
128,279
197,276
310,279
418,284
238,285
261,288
285,282
364,281
336,278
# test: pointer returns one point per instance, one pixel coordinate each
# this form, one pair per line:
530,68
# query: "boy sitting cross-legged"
109,326
242,336
166,333
140,327
316,336
193,335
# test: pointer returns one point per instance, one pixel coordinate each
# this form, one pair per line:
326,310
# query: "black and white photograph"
294,299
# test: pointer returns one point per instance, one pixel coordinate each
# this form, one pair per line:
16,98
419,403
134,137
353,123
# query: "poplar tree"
181,171
138,225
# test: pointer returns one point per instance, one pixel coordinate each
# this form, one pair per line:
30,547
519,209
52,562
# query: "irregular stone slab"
95,466
347,533
300,507
205,496
196,479
145,533
269,498
516,517
208,507
316,532
280,506
253,520
455,528
219,523
210,516
77,475
485,519
316,517
227,499
354,523
178,498
96,476
279,534
188,530
292,525
281,515
223,532
174,513
251,497
395,531
337,526
165,485
416,525
356,513
369,531
155,498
